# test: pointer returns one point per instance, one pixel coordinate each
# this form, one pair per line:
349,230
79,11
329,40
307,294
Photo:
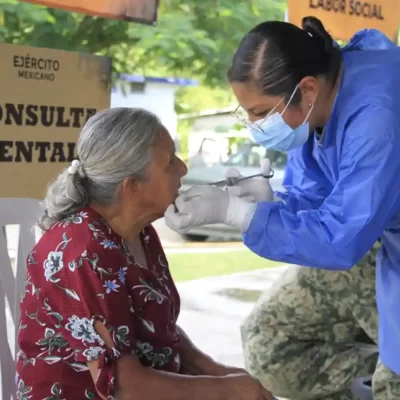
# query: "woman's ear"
309,87
128,186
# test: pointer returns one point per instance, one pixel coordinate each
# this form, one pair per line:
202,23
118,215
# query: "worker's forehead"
250,98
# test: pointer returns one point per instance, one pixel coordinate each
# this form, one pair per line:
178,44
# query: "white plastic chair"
24,213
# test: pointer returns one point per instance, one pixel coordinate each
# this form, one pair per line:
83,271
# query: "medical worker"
337,113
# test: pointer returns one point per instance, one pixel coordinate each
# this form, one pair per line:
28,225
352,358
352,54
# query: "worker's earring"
311,107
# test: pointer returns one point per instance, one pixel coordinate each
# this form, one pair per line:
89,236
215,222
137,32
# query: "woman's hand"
195,362
244,387
268,395
229,371
217,369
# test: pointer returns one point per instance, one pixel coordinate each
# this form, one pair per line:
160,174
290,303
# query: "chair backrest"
22,215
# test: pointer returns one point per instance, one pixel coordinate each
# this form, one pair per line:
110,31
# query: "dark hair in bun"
277,55
314,27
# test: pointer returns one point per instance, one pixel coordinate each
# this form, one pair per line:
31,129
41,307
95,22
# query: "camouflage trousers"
316,331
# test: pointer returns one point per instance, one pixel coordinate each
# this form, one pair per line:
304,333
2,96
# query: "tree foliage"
193,38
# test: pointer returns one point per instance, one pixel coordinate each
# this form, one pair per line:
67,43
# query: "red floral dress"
79,272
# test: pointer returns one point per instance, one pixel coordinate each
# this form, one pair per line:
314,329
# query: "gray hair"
114,144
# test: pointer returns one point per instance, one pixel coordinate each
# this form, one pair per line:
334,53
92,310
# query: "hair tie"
76,167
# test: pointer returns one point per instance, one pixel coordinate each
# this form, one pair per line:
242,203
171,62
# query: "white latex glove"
257,188
203,205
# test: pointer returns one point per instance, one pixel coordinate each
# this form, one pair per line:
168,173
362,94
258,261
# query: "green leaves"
193,38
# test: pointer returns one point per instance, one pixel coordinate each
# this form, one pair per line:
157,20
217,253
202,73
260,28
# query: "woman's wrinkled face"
258,106
164,174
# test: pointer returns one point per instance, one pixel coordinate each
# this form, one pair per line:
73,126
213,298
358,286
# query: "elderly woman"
99,312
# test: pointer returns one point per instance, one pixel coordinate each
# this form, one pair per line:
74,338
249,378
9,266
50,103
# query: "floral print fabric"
81,272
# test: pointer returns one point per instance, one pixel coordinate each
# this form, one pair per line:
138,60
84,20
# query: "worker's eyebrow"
264,109
260,106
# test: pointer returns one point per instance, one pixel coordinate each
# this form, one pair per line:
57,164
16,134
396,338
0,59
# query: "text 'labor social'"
355,8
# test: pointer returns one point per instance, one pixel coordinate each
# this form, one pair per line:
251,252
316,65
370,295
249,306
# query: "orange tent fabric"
343,18
144,11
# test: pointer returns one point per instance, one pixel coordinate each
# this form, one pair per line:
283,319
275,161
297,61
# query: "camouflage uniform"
315,331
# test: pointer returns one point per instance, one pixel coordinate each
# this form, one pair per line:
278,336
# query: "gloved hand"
203,205
257,188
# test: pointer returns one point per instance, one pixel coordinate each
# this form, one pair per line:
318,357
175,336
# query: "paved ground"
212,320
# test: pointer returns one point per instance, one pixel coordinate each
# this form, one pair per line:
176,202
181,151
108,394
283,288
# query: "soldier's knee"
264,350
273,357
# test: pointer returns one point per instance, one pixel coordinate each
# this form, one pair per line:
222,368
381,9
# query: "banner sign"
143,11
45,99
343,18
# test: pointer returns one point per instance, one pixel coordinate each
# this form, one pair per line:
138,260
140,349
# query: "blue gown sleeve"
303,181
366,197
369,39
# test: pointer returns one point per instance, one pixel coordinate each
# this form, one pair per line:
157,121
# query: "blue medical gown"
343,192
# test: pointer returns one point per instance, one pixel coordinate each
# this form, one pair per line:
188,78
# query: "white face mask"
274,133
